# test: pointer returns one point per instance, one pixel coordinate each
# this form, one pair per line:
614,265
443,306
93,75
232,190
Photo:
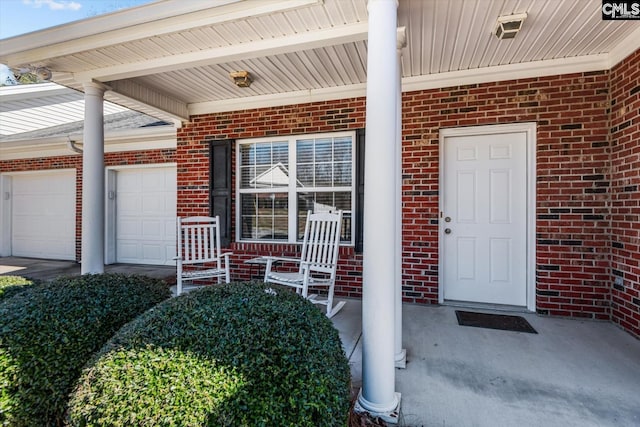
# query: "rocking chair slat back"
322,243
198,239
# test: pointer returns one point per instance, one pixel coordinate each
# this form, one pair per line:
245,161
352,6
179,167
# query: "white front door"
145,213
483,225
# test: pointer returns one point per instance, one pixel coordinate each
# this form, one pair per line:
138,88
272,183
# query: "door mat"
494,321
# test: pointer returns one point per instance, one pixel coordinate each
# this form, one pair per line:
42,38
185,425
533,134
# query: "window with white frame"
281,178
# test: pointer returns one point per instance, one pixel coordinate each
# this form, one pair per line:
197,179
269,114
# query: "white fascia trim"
151,138
552,67
137,23
279,99
625,48
410,84
30,91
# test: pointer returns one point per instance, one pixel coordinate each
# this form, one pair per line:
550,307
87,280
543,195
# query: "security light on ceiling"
241,78
508,25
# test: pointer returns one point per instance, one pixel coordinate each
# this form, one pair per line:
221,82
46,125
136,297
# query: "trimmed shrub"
231,355
49,332
12,285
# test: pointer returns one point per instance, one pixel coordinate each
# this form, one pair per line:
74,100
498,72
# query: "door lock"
447,219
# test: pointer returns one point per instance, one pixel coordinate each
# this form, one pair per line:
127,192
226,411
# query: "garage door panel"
153,204
129,182
152,251
43,215
129,229
153,229
129,203
146,215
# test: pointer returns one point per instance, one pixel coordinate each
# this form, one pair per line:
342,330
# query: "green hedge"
232,355
49,332
12,285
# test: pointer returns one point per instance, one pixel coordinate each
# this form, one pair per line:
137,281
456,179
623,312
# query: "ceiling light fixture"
241,78
508,25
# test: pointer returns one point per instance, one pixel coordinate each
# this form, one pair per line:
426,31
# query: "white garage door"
146,215
43,215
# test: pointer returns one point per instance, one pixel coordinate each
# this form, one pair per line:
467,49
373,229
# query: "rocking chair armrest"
282,259
226,254
319,264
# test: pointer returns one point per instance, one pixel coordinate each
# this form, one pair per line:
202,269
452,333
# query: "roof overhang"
172,59
150,138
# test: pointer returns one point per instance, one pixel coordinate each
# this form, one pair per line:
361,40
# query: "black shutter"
359,215
220,186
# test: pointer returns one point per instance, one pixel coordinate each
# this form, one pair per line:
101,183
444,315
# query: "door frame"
110,255
530,129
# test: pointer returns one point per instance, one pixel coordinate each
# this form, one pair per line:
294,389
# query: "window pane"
305,176
324,202
318,159
263,154
247,154
248,212
323,150
247,176
264,165
265,216
342,174
342,149
281,153
304,151
323,175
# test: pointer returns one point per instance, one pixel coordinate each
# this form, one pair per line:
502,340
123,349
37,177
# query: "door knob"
447,231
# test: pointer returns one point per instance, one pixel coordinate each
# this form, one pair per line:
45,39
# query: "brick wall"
625,193
75,162
588,181
572,181
193,169
572,169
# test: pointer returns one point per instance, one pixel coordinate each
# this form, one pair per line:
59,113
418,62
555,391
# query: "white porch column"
400,353
377,395
93,181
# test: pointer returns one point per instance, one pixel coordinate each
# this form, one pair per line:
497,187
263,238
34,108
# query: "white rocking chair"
318,260
199,256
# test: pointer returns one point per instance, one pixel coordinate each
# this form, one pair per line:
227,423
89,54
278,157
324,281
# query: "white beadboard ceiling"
173,57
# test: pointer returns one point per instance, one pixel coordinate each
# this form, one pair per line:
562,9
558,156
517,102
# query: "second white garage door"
146,215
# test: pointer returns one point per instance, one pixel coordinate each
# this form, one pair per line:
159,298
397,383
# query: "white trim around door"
501,182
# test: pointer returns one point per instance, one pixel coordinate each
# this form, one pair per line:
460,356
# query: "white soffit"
312,50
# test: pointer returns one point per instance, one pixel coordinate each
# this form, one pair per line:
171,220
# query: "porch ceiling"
172,58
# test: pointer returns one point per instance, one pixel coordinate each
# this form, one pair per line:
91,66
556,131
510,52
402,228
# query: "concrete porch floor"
572,373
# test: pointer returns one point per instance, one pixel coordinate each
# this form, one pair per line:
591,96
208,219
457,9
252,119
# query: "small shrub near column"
231,355
49,332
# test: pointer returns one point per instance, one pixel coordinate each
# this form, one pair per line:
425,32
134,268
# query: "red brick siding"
75,162
625,193
572,169
193,169
572,156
